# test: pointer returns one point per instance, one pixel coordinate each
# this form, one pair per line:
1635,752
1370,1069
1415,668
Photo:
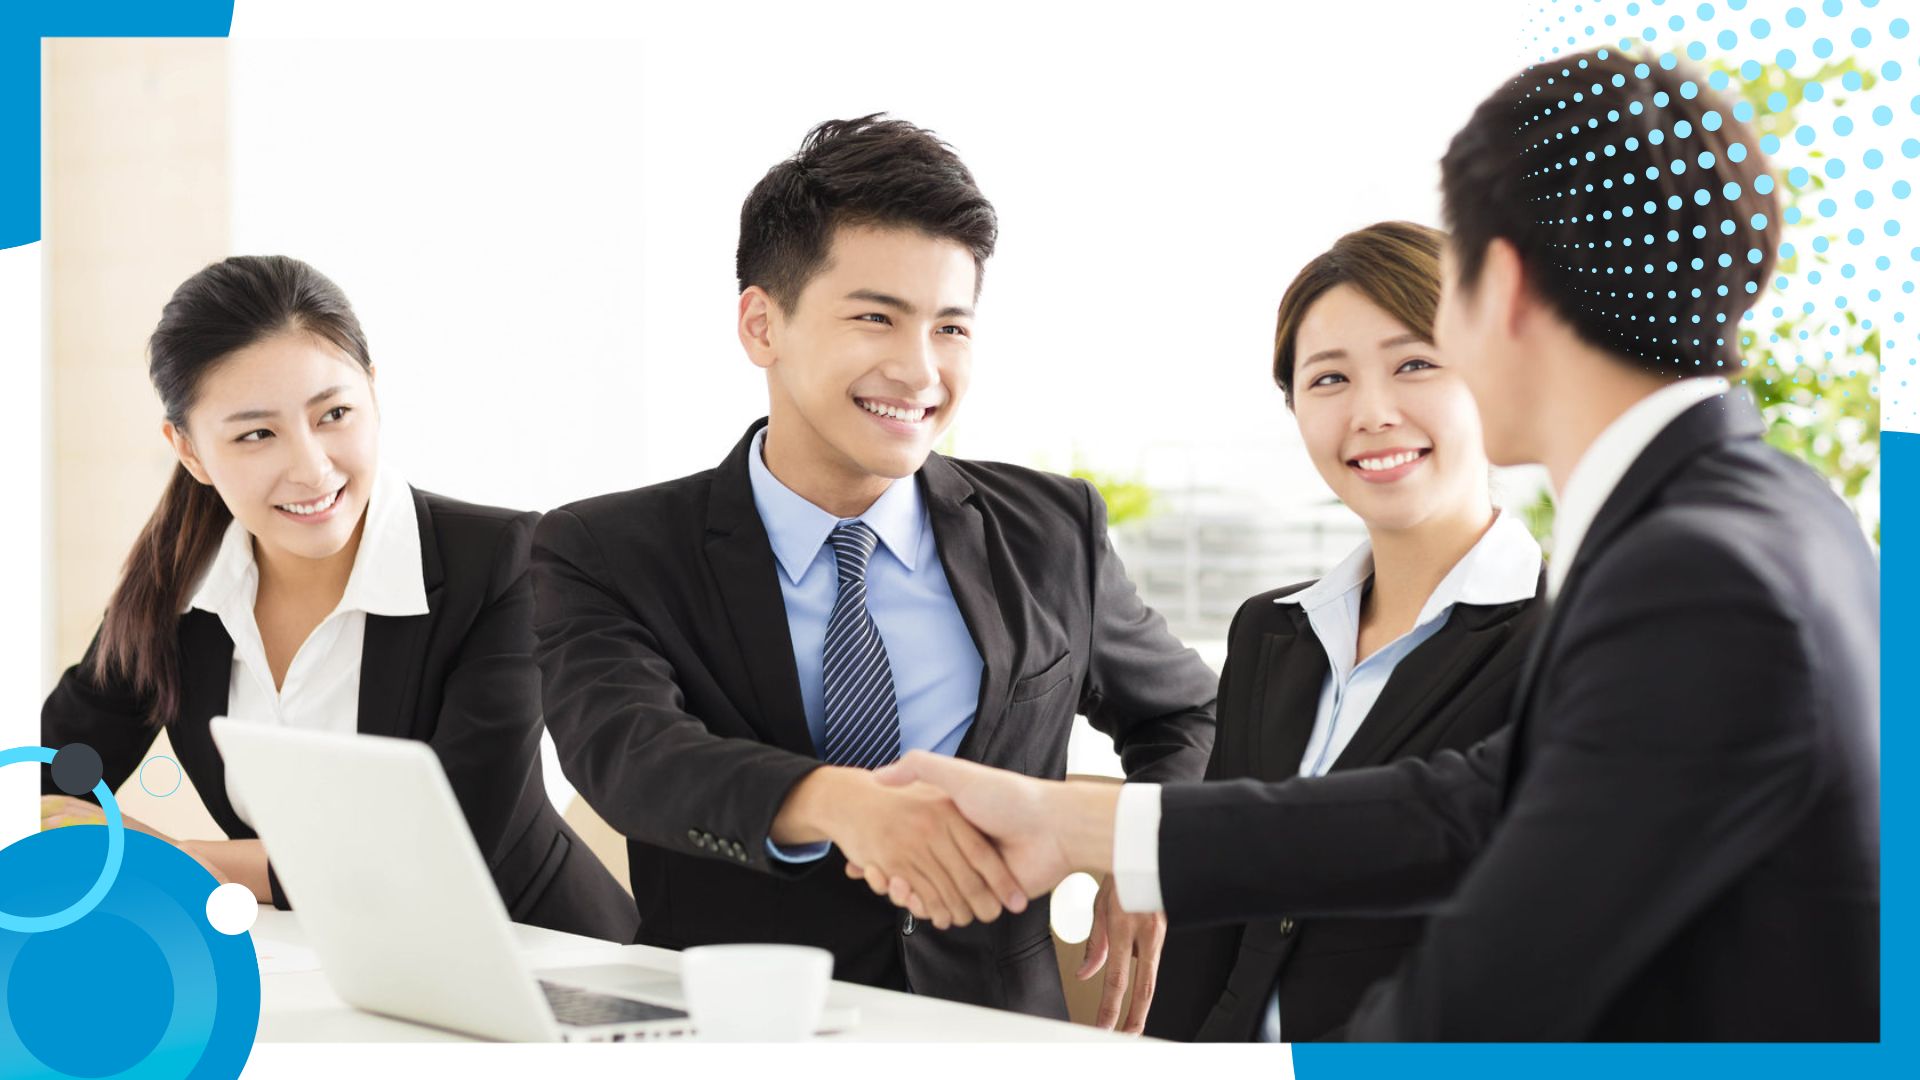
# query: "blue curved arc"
109,871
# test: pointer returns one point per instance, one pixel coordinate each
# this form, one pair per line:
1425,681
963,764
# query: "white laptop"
374,853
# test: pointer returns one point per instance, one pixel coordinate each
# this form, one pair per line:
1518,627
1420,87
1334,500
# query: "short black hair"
868,171
1641,206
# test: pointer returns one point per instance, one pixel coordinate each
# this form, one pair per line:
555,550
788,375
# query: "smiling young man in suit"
728,655
1678,836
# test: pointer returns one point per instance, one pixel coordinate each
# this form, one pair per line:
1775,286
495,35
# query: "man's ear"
1503,287
756,326
183,449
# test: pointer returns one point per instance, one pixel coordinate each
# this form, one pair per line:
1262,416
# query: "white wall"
136,199
539,234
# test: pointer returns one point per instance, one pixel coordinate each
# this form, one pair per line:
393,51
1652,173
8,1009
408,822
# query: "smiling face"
868,369
286,431
1388,423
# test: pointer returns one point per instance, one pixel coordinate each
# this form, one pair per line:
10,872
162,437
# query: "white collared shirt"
1606,461
321,691
1502,567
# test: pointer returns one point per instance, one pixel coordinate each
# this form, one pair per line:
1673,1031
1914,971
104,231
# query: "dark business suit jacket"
1677,839
672,694
459,678
1452,691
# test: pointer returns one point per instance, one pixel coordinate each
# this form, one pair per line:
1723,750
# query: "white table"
299,1006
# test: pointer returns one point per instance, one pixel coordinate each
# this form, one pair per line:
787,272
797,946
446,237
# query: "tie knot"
853,545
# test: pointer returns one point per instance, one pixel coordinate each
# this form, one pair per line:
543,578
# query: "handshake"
953,842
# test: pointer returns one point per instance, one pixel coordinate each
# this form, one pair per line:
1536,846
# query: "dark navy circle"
76,768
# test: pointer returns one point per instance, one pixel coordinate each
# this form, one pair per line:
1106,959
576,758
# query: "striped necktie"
862,716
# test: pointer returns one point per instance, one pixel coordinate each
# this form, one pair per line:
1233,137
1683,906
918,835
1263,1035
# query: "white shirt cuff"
799,853
1136,848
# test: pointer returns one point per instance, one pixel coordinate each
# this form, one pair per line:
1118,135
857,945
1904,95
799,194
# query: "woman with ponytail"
288,577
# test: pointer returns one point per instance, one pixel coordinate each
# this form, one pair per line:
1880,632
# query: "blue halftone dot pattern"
1821,87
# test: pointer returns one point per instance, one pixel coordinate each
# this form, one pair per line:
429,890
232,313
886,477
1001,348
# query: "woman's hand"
226,860
192,850
59,810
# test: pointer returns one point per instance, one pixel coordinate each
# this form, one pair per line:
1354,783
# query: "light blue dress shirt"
1502,567
936,666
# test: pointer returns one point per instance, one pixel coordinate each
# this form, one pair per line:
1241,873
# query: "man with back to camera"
1678,837
728,655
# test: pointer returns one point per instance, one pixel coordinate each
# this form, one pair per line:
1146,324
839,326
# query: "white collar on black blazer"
1608,458
1502,567
387,576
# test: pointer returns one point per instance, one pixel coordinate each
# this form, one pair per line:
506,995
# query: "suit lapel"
960,534
1716,420
747,577
1426,680
1292,676
206,674
393,650
1720,419
391,657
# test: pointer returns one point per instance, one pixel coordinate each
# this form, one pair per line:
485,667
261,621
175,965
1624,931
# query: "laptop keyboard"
587,1008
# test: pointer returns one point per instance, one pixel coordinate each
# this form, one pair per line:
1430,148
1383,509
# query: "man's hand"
1045,829
908,840
1128,946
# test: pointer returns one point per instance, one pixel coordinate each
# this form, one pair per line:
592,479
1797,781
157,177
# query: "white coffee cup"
755,993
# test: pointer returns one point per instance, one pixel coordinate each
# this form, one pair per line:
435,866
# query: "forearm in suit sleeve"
1389,840
651,769
1152,695
104,714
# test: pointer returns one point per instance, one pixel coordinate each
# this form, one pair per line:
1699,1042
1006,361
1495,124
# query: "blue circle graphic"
166,995
138,998
109,869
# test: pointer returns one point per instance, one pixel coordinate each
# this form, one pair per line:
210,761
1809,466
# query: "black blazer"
460,678
1452,691
672,694
1677,839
